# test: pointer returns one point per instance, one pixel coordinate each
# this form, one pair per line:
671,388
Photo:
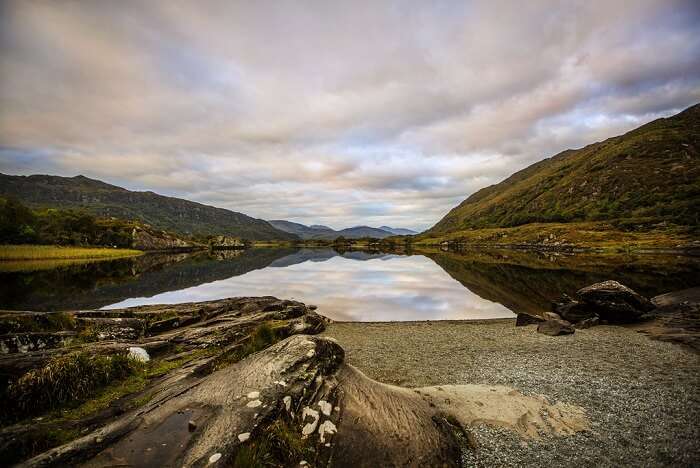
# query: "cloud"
325,112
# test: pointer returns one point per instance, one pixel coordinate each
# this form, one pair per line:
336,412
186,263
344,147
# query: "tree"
17,223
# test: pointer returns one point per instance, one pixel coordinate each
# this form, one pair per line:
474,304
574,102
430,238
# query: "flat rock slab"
529,416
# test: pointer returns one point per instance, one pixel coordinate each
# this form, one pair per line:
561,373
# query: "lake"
346,286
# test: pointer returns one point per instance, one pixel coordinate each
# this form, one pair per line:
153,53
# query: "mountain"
172,214
302,231
398,231
648,175
319,232
364,231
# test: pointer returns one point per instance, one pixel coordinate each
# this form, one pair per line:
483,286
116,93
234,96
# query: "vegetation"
21,225
645,179
263,336
61,421
607,236
108,201
66,379
281,445
47,252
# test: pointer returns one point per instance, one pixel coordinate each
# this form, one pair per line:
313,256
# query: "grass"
72,388
66,379
264,336
604,235
53,252
281,445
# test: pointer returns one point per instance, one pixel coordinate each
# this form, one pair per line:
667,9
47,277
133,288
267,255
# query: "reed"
49,252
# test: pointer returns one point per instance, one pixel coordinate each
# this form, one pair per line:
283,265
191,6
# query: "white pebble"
325,407
327,427
253,395
244,436
309,428
254,404
139,354
214,458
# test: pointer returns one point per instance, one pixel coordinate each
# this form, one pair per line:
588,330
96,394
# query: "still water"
348,286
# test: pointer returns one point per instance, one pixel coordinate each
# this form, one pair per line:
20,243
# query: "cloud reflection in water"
386,288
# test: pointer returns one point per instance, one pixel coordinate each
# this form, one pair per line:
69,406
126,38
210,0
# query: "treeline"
22,225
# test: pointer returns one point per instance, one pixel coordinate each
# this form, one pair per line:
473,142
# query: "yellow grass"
52,252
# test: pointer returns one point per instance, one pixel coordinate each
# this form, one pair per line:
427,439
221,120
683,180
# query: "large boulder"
615,302
554,327
571,310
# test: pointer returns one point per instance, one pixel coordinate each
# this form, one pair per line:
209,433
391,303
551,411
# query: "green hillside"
176,215
647,176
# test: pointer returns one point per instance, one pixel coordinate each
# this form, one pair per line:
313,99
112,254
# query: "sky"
331,112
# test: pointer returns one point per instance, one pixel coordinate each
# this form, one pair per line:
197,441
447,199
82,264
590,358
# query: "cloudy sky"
333,112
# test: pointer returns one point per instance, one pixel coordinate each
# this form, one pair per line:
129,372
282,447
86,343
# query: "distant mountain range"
398,231
176,215
319,232
649,175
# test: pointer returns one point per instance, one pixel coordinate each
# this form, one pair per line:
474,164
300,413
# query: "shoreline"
639,393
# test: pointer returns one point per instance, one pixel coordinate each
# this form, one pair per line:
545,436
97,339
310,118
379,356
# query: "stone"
139,354
551,316
588,323
615,302
555,328
571,310
527,319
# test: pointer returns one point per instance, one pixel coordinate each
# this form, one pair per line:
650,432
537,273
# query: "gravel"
641,395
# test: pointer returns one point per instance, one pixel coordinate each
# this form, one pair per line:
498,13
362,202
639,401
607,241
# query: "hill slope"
398,231
172,214
303,231
649,175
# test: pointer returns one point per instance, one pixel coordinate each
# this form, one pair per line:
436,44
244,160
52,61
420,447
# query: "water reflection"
361,286
353,286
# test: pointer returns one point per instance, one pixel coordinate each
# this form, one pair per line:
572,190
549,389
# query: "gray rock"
551,316
555,328
527,319
588,323
615,302
571,310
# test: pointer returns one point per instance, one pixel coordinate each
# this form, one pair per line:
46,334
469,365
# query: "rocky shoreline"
639,395
249,381
673,316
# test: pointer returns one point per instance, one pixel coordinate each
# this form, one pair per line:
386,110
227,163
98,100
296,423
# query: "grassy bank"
605,236
52,252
